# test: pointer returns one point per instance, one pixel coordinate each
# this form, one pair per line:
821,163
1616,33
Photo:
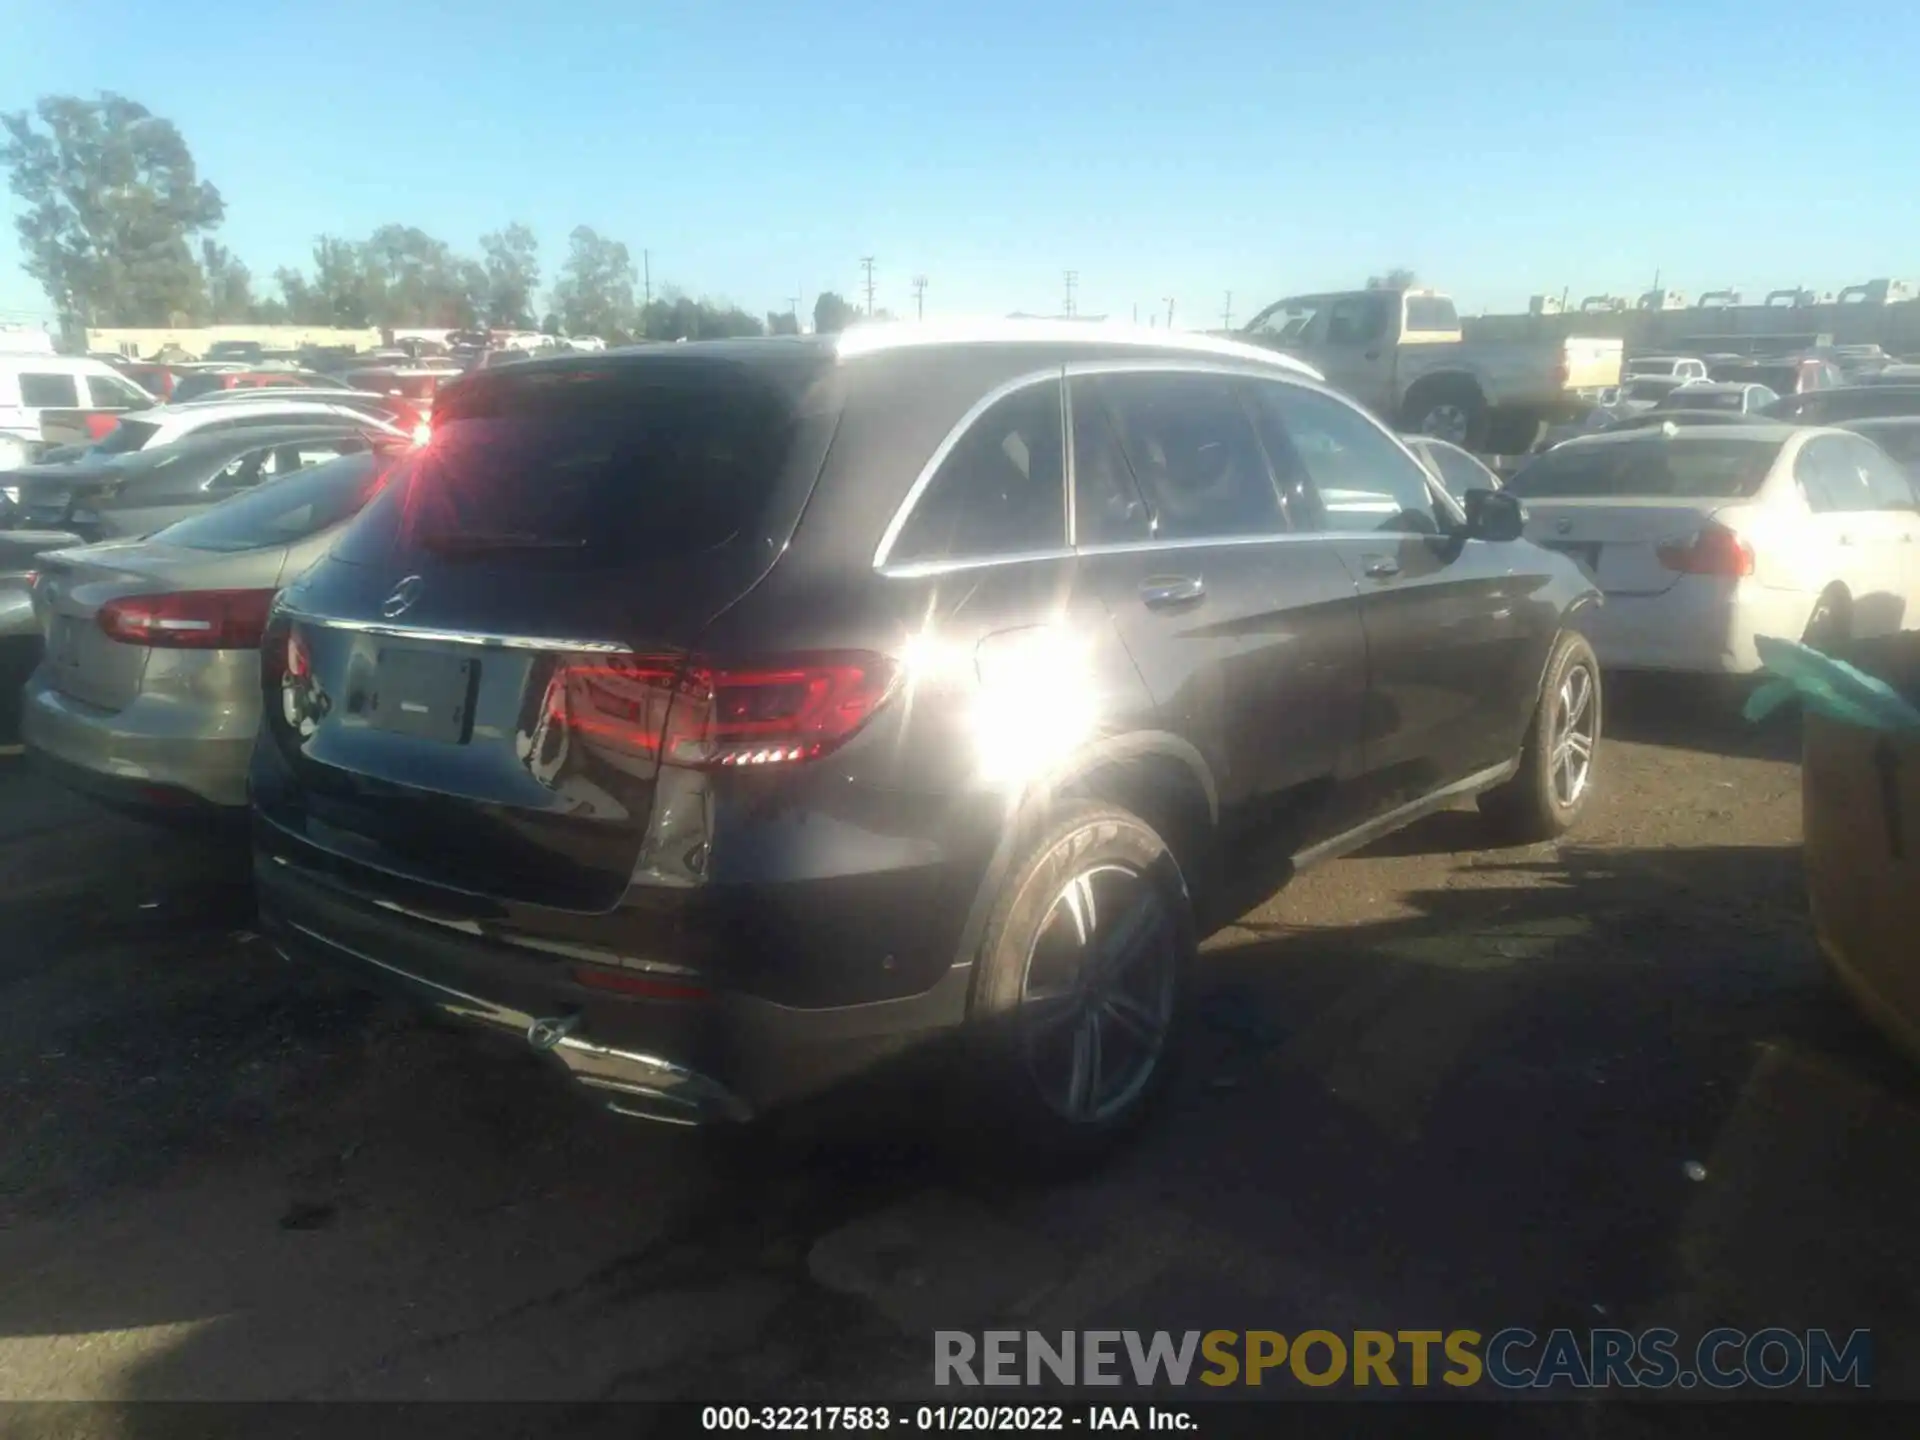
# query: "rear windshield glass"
1651,387
1695,397
638,461
283,511
188,386
1697,467
1431,312
1782,379
127,436
410,387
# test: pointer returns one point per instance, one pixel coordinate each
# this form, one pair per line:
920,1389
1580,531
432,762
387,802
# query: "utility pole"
1073,277
1136,312
1169,312
919,297
1226,313
646,283
793,309
866,263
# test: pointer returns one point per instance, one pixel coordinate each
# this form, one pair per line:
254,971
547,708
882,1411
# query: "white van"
31,384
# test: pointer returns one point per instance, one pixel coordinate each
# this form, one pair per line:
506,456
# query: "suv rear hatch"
1626,510
473,690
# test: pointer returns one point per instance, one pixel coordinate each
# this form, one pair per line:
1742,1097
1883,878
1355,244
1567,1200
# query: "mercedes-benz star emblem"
1563,527
402,598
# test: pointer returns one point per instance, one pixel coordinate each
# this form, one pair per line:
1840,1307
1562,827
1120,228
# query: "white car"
163,424
31,384
1670,367
1701,538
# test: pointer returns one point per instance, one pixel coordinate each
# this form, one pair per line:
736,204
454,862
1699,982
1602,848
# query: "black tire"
1451,409
1830,627
1015,1053
1538,803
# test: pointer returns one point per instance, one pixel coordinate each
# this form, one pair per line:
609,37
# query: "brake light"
422,433
188,619
708,716
101,426
1712,550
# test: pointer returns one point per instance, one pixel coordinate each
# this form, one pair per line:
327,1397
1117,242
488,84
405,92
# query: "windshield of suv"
1685,467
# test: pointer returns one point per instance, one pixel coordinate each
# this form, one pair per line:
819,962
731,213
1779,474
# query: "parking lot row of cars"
724,720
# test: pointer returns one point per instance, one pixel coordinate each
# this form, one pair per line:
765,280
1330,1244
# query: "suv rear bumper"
718,1057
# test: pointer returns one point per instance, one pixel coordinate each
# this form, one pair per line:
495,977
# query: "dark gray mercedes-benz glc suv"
725,718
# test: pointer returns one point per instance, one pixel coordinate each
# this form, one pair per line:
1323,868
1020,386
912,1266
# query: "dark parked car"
1656,418
1742,399
108,497
722,719
1791,375
1847,402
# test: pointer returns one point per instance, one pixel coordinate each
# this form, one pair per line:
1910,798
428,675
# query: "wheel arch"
1156,775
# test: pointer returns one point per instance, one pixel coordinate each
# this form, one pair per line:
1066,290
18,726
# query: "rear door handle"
1163,592
1381,567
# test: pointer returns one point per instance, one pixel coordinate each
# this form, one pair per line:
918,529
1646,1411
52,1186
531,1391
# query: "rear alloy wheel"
1079,986
1556,772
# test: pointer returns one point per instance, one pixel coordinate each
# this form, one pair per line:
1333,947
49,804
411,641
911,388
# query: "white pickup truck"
1400,353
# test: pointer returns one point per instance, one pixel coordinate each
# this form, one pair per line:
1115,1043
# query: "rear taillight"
101,426
1711,550
709,716
422,433
189,619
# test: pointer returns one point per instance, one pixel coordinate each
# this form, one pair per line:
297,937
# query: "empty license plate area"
426,693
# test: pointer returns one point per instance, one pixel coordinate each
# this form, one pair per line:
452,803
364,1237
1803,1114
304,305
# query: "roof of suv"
884,337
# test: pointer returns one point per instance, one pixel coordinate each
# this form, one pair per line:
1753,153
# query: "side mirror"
1493,515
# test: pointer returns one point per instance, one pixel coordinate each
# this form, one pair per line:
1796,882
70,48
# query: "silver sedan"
148,695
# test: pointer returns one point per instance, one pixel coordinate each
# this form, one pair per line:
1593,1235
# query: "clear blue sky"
1165,149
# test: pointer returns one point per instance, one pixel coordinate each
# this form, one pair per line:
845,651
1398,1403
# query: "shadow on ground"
1693,712
1478,1114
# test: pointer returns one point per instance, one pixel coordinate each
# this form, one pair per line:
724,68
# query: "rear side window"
1364,481
637,462
49,392
1888,487
1431,312
112,392
1001,490
1699,466
1902,442
283,511
1192,451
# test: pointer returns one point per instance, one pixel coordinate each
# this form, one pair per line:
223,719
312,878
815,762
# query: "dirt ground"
1437,1086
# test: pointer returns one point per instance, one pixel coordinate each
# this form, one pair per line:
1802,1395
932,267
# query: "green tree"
832,314
594,295
782,323
229,284
1398,278
512,261
415,279
110,201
